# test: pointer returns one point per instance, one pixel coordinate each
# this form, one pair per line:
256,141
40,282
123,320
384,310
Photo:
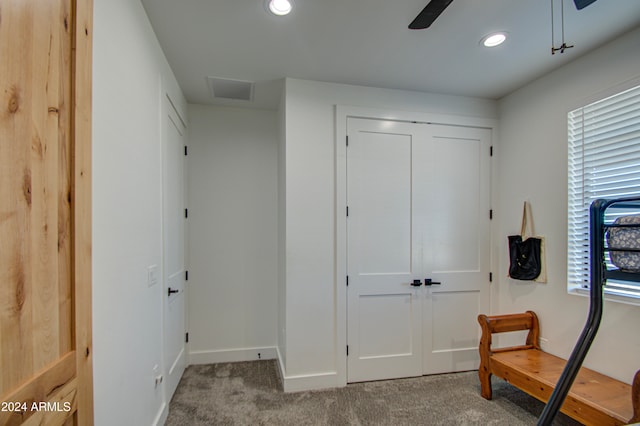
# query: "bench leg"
635,398
485,381
484,350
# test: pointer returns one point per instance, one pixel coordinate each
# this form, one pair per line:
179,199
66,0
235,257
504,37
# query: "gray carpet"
249,393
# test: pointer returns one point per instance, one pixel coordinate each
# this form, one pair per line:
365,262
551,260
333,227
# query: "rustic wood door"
45,212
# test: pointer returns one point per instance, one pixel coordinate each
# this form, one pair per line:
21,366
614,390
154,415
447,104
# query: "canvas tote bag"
527,252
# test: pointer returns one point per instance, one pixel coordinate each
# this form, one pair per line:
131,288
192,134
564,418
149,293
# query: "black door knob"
429,281
170,291
416,283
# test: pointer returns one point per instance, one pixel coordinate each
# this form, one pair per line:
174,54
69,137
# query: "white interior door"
451,204
418,197
173,224
384,310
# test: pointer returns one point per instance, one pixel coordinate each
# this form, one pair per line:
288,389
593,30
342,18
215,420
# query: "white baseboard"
305,382
280,364
161,417
231,355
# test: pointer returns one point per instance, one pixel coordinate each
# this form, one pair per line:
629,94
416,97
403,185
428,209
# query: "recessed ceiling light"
280,7
494,39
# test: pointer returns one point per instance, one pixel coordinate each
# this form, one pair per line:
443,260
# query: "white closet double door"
418,209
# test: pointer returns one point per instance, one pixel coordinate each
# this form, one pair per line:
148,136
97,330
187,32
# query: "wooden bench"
594,399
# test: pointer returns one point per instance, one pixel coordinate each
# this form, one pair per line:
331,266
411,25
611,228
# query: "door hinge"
347,350
186,213
347,140
491,214
186,337
186,150
491,151
186,275
490,277
347,280
347,211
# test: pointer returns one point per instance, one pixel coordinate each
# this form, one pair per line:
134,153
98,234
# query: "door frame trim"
342,115
81,131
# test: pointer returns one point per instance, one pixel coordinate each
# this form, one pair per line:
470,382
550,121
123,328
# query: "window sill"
609,295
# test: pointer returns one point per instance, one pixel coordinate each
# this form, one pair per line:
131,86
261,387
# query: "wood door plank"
58,408
42,387
63,112
16,354
43,164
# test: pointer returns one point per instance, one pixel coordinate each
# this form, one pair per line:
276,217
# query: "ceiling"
366,42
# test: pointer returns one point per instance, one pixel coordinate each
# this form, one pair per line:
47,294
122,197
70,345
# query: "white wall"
311,350
233,238
127,335
531,164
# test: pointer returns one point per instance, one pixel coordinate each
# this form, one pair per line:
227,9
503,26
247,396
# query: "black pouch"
525,259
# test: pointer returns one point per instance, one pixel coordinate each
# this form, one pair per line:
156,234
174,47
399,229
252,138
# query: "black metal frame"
598,276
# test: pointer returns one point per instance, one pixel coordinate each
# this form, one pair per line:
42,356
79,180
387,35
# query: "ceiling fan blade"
581,4
431,12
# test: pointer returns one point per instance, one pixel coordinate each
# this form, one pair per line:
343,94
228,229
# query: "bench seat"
594,399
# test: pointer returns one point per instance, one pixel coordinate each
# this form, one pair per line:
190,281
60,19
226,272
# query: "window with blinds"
604,162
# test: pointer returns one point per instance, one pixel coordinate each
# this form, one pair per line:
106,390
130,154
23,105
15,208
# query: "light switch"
152,275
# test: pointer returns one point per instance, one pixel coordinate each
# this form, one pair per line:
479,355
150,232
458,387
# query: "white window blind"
604,162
